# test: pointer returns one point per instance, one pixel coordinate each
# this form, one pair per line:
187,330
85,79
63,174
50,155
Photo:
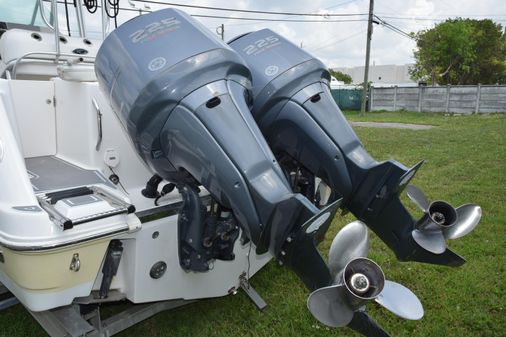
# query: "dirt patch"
393,125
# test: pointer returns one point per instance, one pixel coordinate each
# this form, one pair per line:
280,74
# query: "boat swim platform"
46,174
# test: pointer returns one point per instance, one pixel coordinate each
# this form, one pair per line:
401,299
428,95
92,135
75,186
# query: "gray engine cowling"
309,134
183,96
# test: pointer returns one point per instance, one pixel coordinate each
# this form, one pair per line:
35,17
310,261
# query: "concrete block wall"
450,99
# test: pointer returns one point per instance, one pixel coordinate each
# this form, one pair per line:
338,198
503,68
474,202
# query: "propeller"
441,221
358,280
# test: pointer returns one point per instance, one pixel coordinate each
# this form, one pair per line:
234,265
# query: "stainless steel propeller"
358,280
441,221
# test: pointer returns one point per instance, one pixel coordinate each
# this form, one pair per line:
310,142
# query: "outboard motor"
183,95
312,140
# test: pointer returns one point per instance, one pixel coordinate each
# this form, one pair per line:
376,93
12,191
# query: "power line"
243,18
393,28
327,43
326,8
439,17
272,20
251,11
410,18
398,31
341,4
62,2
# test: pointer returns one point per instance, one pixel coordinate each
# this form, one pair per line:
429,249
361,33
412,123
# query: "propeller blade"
468,217
400,300
431,240
351,242
418,197
329,306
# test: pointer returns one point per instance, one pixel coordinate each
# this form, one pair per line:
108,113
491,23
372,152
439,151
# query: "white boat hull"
37,254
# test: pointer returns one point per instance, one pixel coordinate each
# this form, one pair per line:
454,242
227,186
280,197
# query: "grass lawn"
465,162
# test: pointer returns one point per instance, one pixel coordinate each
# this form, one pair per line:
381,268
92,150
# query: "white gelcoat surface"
33,103
141,252
57,117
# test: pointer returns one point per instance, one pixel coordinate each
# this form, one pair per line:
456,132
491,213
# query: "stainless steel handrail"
15,62
99,123
105,18
80,18
54,12
43,15
54,25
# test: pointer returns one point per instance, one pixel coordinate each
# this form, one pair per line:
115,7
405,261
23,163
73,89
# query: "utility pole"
220,30
367,56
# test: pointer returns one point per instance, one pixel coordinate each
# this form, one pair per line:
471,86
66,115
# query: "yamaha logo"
271,70
157,63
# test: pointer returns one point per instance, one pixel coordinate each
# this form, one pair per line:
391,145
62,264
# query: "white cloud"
342,44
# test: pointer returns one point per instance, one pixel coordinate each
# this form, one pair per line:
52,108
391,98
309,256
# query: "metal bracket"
68,320
94,298
252,294
99,123
7,302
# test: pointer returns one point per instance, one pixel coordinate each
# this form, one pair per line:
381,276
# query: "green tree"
341,76
461,51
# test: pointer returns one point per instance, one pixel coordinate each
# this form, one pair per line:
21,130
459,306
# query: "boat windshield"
25,12
72,20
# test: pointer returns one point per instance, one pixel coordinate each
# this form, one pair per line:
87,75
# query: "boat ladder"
75,206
